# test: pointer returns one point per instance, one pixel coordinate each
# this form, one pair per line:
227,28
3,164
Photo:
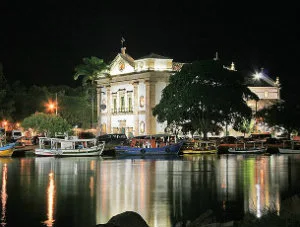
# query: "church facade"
129,90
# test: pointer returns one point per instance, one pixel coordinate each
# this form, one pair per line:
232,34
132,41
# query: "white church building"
131,88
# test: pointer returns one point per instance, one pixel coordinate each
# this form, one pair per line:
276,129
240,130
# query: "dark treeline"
18,101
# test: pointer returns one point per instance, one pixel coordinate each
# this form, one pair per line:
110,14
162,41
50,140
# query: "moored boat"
7,150
248,148
199,147
172,149
111,141
70,146
290,147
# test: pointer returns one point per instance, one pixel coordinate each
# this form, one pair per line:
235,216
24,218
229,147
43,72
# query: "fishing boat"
7,150
111,141
172,149
69,146
248,148
290,147
199,147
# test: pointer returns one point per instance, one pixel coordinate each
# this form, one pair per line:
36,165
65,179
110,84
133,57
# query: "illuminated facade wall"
129,91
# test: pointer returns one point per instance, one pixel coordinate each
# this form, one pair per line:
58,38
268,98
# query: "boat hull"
288,151
70,146
247,151
96,151
7,152
199,151
140,151
199,147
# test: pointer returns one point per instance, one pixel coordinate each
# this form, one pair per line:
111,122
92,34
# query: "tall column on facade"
150,103
136,129
98,110
109,106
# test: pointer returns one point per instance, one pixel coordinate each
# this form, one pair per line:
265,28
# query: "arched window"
142,101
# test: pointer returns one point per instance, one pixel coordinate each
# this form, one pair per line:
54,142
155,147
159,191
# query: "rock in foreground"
125,219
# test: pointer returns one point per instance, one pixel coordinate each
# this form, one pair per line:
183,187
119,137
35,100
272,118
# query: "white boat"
69,146
248,148
290,147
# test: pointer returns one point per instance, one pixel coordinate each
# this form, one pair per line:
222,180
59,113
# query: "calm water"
85,191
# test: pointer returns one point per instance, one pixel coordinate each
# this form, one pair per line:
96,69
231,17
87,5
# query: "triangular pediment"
122,64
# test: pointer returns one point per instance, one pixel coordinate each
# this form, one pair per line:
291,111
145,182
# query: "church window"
122,104
115,105
130,104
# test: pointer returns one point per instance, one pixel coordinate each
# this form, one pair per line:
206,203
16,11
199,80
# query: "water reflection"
86,191
3,194
50,201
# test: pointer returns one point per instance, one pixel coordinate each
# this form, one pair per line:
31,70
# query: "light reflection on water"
50,201
88,191
3,194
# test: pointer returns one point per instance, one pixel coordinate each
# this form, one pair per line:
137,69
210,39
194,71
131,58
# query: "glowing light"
51,106
257,76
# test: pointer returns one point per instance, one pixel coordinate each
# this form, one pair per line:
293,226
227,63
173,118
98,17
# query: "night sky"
41,42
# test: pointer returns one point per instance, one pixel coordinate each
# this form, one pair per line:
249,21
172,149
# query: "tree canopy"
284,115
47,124
90,70
204,96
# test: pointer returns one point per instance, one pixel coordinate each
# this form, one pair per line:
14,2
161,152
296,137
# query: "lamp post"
56,104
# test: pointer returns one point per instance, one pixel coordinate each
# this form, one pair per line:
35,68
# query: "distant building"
268,92
129,90
266,89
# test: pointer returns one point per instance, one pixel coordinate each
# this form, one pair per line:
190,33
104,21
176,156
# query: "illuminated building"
131,88
128,92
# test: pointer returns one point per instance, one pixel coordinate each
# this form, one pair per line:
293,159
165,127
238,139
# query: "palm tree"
91,69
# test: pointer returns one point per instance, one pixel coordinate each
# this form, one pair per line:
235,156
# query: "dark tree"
205,95
91,69
283,115
6,101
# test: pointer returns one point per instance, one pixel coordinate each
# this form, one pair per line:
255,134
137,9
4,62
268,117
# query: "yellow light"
51,106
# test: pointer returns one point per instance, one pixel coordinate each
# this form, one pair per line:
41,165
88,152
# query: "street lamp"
5,124
52,105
